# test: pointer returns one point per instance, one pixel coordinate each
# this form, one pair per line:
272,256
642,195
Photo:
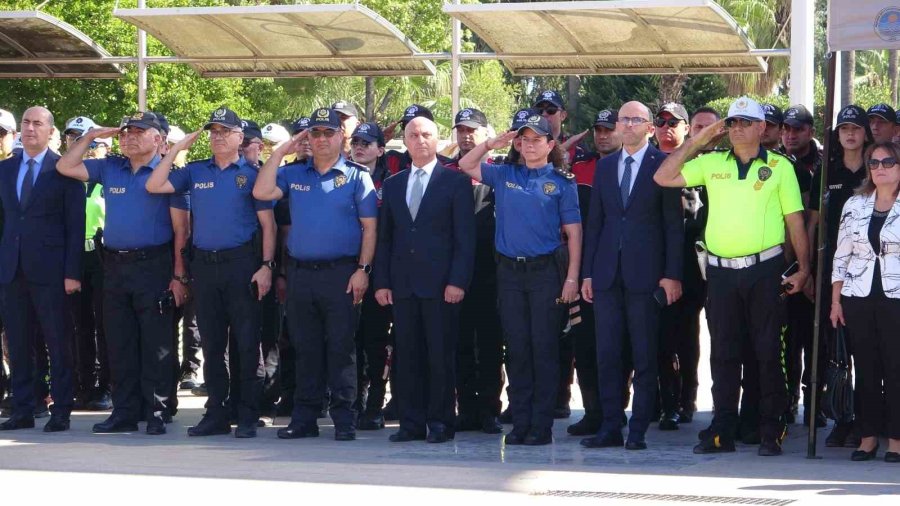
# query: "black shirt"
842,183
875,225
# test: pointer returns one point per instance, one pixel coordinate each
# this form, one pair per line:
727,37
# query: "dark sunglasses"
549,110
361,143
887,163
672,122
247,143
315,134
741,122
3,132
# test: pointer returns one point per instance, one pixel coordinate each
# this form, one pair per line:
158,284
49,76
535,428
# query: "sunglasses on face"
247,143
671,122
360,143
315,134
3,132
627,121
740,122
886,163
549,110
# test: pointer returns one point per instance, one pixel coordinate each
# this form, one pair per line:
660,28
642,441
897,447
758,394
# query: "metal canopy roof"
611,37
33,34
282,41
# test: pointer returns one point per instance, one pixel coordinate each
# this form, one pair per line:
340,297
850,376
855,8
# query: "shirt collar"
638,156
340,165
126,163
762,155
38,160
239,163
428,168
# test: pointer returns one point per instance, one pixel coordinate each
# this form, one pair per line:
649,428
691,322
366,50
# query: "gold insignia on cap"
340,180
322,113
549,188
534,119
219,114
741,104
137,116
241,181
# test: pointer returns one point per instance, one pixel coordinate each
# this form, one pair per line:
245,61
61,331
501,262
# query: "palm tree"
766,23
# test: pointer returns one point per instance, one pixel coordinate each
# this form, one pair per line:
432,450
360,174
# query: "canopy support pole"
455,79
142,64
802,42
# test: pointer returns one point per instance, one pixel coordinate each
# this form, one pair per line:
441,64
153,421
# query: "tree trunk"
573,85
848,73
370,99
893,60
671,87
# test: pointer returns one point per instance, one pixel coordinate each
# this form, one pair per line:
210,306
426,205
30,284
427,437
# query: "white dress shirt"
635,166
428,168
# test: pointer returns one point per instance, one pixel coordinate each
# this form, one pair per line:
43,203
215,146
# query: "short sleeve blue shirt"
135,218
532,205
222,202
325,209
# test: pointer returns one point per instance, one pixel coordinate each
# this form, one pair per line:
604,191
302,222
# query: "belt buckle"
521,259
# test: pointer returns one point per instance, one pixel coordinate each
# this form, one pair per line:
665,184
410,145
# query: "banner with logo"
863,24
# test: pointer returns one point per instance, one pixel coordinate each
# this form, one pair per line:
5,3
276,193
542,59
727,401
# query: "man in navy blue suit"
423,265
40,262
632,267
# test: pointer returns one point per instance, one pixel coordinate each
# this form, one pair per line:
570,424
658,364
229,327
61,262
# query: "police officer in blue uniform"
229,278
537,274
142,282
330,247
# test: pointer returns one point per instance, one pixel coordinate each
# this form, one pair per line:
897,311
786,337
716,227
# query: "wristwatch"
367,268
270,264
183,279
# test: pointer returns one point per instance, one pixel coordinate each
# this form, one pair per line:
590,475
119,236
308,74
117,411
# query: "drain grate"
666,497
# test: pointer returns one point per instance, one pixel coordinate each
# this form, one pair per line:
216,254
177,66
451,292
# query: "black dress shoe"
57,424
668,421
714,444
156,426
585,427
636,443
245,431
115,423
751,437
188,381
685,416
439,435
344,434
537,437
892,457
705,433
862,455
18,422
466,423
506,416
404,436
561,412
200,390
838,435
298,431
41,410
605,440
491,425
101,401
769,448
371,422
209,426
515,437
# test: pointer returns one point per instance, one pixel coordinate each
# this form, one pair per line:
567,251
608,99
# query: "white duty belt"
746,261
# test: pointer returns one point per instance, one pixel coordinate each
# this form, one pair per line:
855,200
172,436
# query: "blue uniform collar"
238,164
340,165
126,163
541,171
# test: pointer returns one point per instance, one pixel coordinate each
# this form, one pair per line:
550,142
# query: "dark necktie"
27,183
625,184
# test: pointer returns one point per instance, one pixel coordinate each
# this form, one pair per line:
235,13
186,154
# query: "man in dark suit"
632,266
40,262
424,262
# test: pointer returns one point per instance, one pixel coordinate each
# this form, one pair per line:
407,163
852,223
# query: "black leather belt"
137,255
224,255
318,265
526,263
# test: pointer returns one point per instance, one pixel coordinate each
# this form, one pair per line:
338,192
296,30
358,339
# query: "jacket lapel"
399,196
611,173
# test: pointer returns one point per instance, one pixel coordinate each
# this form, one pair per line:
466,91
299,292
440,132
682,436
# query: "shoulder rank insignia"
566,173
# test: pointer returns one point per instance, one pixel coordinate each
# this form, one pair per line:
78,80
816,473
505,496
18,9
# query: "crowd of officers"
313,267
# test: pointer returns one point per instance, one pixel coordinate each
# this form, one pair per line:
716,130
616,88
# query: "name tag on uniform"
204,186
720,175
835,186
513,186
117,191
300,187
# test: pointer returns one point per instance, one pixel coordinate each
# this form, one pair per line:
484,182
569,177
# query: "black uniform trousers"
479,376
225,305
322,322
270,312
426,333
531,320
744,304
872,324
139,335
86,310
585,346
679,345
27,306
189,337
372,339
626,318
799,352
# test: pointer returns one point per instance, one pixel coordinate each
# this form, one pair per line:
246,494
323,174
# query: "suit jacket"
47,235
422,257
646,233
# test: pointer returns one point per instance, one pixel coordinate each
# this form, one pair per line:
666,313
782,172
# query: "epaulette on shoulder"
790,158
713,150
564,172
356,166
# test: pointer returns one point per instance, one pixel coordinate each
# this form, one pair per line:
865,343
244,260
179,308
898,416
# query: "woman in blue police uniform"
537,274
229,279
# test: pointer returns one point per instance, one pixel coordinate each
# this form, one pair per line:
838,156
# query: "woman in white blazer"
866,297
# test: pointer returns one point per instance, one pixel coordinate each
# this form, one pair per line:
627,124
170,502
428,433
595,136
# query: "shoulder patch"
566,173
355,165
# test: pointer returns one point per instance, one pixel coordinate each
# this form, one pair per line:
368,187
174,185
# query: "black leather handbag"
837,400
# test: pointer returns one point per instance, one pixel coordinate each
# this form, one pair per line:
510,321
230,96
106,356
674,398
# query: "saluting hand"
571,141
186,143
711,135
501,141
293,145
359,283
101,132
453,294
388,131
